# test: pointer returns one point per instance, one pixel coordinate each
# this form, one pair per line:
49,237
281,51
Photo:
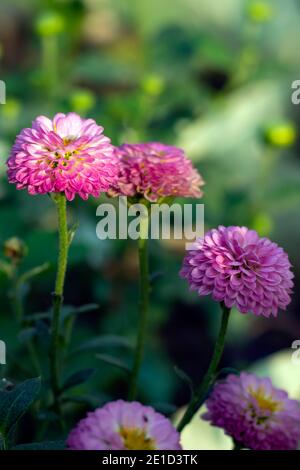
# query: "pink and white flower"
67,154
124,425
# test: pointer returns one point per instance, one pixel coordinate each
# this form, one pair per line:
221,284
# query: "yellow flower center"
265,402
136,439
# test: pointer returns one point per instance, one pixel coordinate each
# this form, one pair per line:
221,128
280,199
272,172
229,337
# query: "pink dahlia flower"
67,154
255,413
239,268
121,425
155,170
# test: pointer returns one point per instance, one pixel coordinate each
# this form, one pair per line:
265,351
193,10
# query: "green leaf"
39,316
6,268
92,400
113,361
47,445
27,334
78,378
72,232
185,378
69,310
28,275
103,341
226,371
14,403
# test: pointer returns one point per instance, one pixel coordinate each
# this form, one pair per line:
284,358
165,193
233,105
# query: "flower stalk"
201,392
61,205
143,305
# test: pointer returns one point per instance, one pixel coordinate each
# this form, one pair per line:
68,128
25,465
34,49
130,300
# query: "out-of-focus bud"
50,23
12,109
153,85
263,224
281,135
260,11
15,249
82,101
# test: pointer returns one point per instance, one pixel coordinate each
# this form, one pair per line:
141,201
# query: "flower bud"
15,249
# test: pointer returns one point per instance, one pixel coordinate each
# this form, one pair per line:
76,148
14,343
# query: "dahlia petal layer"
255,413
124,425
67,154
154,170
235,266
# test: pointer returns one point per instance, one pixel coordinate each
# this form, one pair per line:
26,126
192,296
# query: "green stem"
143,306
237,446
61,204
201,393
17,304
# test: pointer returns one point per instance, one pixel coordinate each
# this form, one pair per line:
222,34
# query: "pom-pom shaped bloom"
124,425
154,170
255,413
67,154
239,268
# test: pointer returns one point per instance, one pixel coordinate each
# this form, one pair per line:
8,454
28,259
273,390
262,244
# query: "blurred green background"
212,77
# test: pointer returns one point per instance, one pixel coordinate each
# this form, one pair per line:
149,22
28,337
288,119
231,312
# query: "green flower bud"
281,135
82,100
50,24
15,249
260,12
153,85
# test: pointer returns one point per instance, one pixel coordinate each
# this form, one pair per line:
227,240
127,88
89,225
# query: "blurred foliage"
212,77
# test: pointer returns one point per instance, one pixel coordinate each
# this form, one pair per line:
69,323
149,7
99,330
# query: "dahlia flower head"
122,425
154,171
235,266
67,154
255,413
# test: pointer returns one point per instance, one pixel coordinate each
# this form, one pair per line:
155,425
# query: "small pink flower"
67,154
154,170
255,413
238,268
122,425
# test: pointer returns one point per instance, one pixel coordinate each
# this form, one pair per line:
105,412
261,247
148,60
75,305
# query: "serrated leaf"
102,342
78,378
113,361
14,403
47,445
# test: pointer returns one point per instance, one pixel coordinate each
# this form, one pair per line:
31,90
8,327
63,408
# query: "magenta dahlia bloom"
122,425
67,154
239,268
154,170
255,413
